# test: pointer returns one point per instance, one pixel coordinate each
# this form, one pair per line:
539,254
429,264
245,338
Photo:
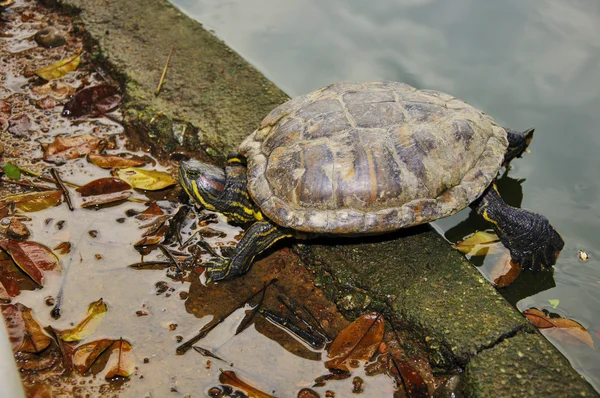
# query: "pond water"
525,63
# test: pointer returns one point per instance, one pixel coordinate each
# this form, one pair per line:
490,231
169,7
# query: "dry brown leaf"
358,341
562,329
229,377
35,340
110,161
505,271
122,361
85,355
15,325
480,240
31,257
66,148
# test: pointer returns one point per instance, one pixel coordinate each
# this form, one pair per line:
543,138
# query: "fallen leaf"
63,248
103,199
35,339
562,329
19,126
554,302
55,89
33,201
583,256
153,209
109,161
103,186
107,104
8,277
505,271
150,180
229,377
15,325
411,379
122,361
358,341
17,229
82,103
479,241
66,148
59,69
31,257
85,355
95,313
11,171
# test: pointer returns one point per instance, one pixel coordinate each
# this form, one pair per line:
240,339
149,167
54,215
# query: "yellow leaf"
479,240
33,201
150,180
122,360
59,69
95,313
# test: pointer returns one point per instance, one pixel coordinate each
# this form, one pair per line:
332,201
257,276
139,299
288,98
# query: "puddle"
155,310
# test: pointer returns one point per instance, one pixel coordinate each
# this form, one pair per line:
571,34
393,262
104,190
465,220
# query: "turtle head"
203,182
517,143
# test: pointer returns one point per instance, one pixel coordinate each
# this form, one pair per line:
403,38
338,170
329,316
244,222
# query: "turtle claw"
539,249
217,269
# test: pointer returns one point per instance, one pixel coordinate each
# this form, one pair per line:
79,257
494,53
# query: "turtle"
368,158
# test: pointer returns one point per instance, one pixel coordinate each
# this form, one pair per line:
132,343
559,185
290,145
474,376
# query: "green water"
534,63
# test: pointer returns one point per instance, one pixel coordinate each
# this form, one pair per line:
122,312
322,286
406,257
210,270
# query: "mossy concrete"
212,98
425,287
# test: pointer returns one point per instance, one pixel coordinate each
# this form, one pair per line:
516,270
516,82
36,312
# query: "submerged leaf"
8,278
150,180
229,377
85,355
59,69
562,329
31,257
358,341
109,161
95,313
505,271
33,201
83,101
35,339
103,199
479,244
55,89
66,148
122,361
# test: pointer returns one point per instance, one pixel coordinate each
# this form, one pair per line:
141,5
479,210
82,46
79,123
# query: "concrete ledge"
211,98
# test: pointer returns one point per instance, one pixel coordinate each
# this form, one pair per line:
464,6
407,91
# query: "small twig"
183,348
59,183
164,73
28,185
247,319
151,265
206,353
46,179
167,253
309,338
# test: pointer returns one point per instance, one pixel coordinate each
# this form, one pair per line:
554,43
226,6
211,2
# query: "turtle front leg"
533,243
259,237
517,143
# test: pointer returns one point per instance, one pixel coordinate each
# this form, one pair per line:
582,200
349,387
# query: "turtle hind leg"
517,143
531,239
259,237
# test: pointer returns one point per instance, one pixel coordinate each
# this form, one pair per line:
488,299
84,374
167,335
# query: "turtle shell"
365,158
